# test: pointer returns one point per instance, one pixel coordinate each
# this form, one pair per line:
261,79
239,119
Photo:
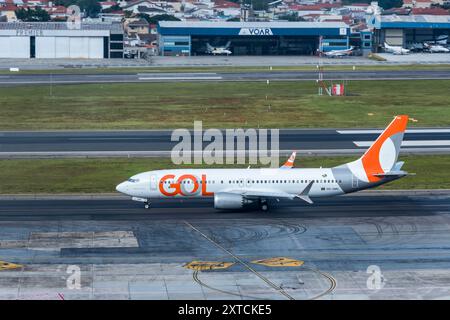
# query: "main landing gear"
264,206
147,205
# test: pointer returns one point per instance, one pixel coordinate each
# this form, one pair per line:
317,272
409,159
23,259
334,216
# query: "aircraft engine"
224,200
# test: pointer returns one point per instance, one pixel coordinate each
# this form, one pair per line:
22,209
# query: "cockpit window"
133,180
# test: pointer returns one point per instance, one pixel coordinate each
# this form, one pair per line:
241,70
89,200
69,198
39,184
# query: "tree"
159,17
291,17
388,4
113,8
32,15
91,8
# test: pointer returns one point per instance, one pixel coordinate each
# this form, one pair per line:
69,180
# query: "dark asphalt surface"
351,206
406,236
96,142
18,79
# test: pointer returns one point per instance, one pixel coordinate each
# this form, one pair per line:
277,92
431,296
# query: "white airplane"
339,53
395,49
241,188
435,48
442,40
218,50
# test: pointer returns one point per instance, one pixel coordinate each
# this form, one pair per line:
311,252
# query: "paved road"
18,79
158,142
126,252
349,206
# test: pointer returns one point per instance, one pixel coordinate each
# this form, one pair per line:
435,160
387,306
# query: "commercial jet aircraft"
240,188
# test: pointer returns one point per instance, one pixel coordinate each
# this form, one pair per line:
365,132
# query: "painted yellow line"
242,262
279,262
9,266
207,265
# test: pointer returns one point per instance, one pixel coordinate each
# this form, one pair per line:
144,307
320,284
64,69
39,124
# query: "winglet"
305,193
290,162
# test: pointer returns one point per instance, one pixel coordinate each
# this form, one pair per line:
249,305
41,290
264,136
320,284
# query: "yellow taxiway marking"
207,265
279,262
9,266
242,262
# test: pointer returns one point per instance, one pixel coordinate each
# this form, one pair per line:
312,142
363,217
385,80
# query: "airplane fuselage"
236,188
206,182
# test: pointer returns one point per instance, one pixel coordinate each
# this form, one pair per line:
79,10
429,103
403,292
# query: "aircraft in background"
218,50
435,48
442,40
395,49
241,188
339,53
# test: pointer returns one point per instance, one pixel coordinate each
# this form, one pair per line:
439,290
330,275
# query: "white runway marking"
409,143
444,130
180,78
178,74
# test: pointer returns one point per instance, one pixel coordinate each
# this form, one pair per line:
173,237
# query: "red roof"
225,4
8,7
57,9
434,11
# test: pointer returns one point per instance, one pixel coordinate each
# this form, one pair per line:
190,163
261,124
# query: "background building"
57,40
403,31
252,38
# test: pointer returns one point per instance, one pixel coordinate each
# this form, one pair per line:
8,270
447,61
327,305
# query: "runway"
349,206
157,143
76,78
123,251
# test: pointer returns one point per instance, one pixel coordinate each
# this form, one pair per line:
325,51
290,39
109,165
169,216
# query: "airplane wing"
275,194
289,164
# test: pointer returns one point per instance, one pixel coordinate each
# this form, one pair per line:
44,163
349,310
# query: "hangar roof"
252,28
58,26
411,21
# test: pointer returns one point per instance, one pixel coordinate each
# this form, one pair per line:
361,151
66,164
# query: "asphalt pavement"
78,78
158,143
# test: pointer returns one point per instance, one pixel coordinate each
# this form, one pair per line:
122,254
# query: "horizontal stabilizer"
399,173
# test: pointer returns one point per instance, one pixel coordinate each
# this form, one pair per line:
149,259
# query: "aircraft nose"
121,187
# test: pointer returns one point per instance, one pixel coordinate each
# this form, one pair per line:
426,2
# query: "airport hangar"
60,40
405,30
180,38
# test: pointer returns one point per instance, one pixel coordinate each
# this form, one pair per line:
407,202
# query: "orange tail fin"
382,155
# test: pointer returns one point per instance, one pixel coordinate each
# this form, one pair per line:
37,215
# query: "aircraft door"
153,182
241,182
248,182
354,181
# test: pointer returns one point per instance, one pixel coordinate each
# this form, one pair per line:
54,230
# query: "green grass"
102,175
221,104
118,70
